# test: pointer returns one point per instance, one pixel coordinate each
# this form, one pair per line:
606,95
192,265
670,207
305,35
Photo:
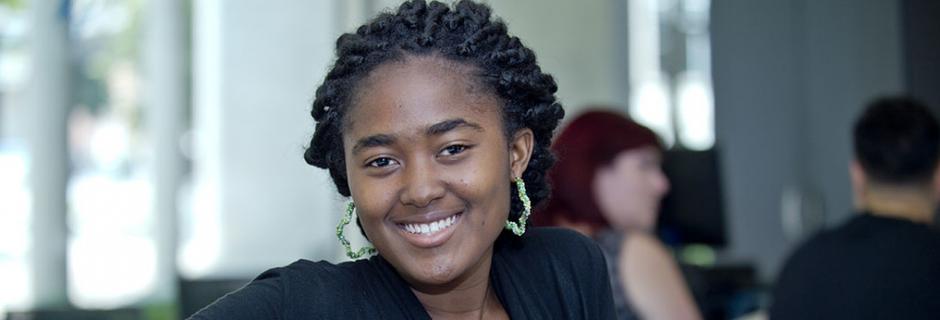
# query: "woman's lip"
433,239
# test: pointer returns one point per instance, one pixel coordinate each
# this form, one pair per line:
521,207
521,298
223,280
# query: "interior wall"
581,43
756,65
790,78
921,29
257,66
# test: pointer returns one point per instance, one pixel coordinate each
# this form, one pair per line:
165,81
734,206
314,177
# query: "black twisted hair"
467,34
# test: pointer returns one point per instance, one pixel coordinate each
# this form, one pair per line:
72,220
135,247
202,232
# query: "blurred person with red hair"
607,184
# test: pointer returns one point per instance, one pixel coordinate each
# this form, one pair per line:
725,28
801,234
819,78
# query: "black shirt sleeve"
262,298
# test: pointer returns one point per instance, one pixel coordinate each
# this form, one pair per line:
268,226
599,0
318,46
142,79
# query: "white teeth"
428,228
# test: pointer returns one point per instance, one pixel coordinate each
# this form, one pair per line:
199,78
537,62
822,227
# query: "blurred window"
111,245
15,202
670,70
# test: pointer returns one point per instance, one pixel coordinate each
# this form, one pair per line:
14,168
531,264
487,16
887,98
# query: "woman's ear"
520,151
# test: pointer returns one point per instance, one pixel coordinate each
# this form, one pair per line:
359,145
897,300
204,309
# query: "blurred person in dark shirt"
884,262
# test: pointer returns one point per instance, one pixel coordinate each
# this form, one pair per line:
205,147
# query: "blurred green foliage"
14,4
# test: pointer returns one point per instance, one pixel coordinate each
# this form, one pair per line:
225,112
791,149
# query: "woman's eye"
381,162
454,150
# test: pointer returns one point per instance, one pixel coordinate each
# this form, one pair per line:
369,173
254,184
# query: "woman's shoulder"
274,293
309,275
644,254
324,272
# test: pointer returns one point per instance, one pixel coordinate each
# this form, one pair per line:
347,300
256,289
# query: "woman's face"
430,168
629,190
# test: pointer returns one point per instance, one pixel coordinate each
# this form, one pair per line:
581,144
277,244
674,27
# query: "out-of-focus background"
151,150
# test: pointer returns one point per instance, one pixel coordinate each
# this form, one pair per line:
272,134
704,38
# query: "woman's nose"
661,182
422,185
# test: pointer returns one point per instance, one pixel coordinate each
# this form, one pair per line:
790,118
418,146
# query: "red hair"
591,141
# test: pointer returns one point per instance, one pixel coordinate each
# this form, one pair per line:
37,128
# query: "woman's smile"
429,230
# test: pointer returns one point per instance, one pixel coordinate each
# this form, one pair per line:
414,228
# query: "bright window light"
112,255
670,70
650,107
110,271
112,251
201,242
200,218
15,211
696,117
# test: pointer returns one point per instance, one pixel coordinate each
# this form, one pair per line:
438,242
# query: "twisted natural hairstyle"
467,34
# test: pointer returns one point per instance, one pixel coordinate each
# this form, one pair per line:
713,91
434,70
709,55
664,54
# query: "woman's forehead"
417,93
433,67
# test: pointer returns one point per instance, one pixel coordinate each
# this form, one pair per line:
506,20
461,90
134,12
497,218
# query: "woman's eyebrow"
381,140
451,124
376,140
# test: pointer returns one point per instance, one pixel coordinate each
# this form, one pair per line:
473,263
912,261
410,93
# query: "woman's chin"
433,274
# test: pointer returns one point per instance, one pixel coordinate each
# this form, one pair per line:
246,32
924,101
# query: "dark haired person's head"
608,175
426,118
897,148
897,142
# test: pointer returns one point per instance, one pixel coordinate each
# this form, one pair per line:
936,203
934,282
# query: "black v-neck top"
549,273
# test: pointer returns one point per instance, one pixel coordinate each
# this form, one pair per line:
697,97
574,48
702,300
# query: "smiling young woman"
429,169
437,124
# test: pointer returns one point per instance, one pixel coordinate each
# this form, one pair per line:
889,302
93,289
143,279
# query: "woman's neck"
468,297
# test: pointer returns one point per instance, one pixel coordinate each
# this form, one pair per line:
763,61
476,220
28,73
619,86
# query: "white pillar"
256,204
46,133
165,99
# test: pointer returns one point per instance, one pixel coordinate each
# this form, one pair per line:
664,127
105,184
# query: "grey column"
46,134
165,99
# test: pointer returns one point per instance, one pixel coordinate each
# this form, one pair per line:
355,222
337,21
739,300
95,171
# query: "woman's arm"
655,287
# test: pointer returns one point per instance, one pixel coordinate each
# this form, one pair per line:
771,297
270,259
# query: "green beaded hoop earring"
364,251
519,228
